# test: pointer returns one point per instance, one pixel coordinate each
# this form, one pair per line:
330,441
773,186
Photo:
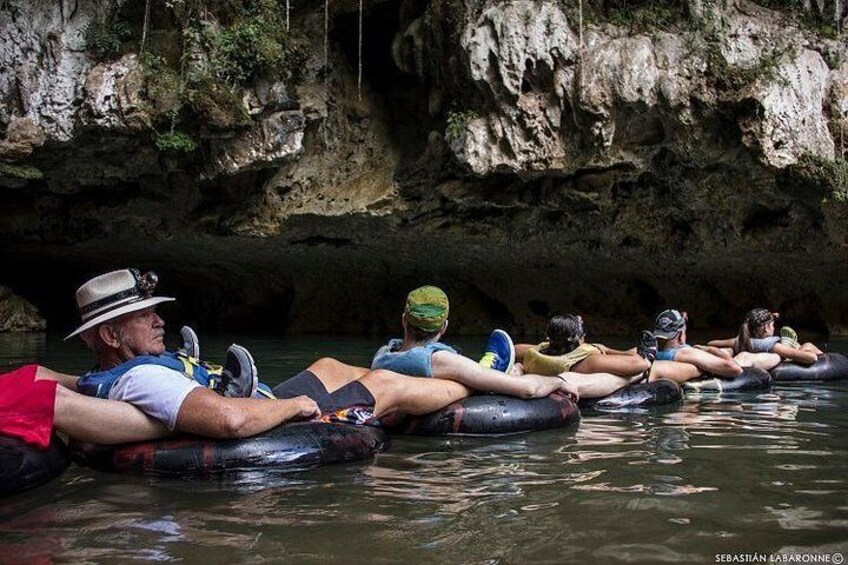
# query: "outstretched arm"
709,363
797,355
447,365
594,385
102,421
610,351
67,381
715,351
729,342
205,413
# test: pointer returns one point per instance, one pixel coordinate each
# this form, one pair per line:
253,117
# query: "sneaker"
499,353
191,345
647,346
789,337
239,377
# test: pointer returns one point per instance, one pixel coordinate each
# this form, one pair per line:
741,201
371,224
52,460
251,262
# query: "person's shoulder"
152,369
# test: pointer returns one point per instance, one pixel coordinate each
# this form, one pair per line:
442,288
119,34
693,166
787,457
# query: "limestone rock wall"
526,162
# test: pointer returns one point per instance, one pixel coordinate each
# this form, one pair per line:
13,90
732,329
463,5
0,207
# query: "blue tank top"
415,362
668,354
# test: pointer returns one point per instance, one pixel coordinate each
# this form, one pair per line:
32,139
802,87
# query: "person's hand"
305,408
569,389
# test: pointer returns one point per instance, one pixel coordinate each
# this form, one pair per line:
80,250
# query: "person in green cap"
420,354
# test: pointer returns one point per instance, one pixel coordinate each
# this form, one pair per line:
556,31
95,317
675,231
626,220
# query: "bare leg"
595,385
621,365
674,371
764,361
411,395
335,374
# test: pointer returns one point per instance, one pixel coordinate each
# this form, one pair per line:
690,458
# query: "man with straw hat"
125,334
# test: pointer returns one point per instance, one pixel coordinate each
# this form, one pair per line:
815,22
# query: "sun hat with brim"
427,308
114,294
668,324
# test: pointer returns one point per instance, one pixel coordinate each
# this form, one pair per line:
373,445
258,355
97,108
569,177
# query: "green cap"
427,308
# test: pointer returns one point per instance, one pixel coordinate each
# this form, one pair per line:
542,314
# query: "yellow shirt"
538,363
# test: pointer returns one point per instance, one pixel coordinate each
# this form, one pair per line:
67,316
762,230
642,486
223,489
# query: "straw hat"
114,294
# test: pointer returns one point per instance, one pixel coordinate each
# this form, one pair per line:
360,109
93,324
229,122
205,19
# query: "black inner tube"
751,378
493,415
642,395
829,367
286,448
23,466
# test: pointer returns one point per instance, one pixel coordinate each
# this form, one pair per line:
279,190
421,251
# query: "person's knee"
382,383
744,359
324,364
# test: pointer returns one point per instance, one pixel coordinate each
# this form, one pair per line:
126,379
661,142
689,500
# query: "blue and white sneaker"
239,377
499,353
191,345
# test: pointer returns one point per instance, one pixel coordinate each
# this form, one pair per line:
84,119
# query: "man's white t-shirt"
157,391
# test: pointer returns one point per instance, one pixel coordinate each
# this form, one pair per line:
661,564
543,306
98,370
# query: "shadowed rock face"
18,315
490,153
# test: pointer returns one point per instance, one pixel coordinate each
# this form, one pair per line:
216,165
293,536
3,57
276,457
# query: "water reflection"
717,471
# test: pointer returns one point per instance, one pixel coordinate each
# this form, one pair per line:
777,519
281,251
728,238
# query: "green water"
738,474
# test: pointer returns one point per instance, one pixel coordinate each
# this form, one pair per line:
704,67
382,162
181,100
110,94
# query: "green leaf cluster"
174,142
456,122
247,50
105,37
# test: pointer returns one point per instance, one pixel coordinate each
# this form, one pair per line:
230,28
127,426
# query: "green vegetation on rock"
197,57
829,176
638,16
822,18
105,36
24,172
645,16
730,77
456,122
174,142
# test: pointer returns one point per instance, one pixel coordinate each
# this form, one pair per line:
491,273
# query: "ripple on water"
673,485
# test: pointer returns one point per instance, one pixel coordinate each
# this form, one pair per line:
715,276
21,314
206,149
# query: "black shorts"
306,383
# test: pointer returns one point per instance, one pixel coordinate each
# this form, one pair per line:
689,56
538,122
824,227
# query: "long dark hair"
751,325
563,334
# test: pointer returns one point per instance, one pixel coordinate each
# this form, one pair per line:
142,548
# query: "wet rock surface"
18,315
525,164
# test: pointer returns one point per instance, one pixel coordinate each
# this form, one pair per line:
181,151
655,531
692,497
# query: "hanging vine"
288,9
326,31
359,75
326,65
145,26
